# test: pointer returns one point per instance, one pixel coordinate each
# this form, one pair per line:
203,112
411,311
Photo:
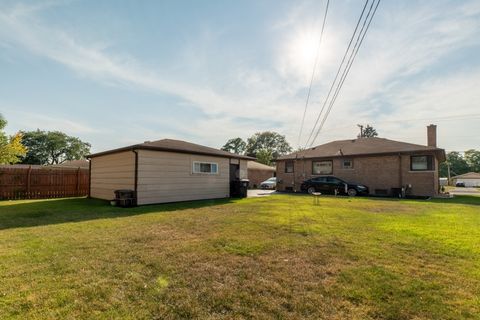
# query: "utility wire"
338,72
359,41
313,74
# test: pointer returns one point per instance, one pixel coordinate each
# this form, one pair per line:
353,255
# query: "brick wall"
258,176
376,172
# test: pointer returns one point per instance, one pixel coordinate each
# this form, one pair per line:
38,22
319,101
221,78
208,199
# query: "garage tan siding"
243,169
168,177
112,172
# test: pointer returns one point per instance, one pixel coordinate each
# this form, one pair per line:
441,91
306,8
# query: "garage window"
288,166
421,163
205,167
322,167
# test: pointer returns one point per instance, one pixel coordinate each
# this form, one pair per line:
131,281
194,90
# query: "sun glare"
302,50
305,48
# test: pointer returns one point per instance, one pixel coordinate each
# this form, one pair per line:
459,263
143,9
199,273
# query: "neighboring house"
471,179
166,171
259,172
84,164
380,164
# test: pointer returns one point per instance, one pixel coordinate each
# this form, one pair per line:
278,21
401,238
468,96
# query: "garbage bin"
239,188
125,198
244,187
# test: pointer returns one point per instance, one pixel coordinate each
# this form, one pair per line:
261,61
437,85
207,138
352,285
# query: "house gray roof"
171,145
469,175
254,165
362,146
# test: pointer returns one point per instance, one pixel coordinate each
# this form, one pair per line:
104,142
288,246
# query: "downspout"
400,175
89,177
294,173
135,183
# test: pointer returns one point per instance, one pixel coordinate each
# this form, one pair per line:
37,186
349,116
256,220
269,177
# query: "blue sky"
121,72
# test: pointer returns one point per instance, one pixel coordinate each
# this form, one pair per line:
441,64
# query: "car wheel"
311,190
352,192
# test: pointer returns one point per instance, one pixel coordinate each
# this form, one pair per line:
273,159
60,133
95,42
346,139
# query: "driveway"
466,191
252,193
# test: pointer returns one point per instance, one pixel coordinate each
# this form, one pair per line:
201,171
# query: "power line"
313,74
338,72
349,65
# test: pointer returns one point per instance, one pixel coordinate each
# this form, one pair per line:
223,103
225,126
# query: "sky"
115,73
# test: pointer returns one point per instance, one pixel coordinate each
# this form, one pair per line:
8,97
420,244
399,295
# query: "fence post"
77,189
29,174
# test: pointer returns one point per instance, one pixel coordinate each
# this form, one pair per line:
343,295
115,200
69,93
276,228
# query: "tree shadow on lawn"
32,213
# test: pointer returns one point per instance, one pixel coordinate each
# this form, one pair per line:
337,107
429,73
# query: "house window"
322,167
288,166
421,163
205,167
347,164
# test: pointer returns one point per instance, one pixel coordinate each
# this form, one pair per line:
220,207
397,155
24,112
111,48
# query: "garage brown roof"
469,175
362,146
254,165
171,145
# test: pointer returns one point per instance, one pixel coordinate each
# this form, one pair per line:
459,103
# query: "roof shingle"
468,175
172,145
360,146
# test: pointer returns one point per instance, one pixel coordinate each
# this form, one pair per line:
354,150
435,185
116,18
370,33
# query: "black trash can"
239,188
244,187
125,198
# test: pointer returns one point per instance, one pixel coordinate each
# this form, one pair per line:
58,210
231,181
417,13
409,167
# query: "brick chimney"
432,135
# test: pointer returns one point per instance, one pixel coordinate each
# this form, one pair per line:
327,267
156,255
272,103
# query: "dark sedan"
331,184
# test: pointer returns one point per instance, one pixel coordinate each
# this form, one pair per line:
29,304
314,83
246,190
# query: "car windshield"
273,179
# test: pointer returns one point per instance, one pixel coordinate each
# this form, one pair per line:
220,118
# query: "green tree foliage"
268,141
235,145
472,157
265,156
11,148
367,132
52,147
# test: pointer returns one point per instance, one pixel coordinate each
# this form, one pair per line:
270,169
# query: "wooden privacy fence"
37,182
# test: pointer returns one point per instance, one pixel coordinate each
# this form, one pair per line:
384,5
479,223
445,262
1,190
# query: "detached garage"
166,171
470,179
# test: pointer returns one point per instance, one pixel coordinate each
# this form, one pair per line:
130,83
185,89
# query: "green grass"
275,257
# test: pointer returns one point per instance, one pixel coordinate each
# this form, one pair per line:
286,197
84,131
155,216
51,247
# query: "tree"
11,148
457,163
367,132
267,141
52,147
235,145
264,156
472,157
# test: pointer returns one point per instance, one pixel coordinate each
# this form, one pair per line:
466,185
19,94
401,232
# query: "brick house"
258,172
380,164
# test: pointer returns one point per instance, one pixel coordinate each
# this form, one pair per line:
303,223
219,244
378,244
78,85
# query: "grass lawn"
274,257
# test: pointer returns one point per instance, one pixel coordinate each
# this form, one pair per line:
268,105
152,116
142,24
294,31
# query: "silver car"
270,183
